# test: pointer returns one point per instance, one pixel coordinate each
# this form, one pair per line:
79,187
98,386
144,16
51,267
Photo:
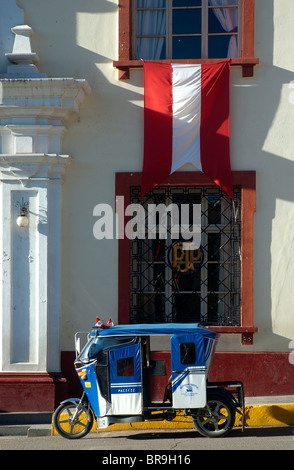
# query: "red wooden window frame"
247,61
247,181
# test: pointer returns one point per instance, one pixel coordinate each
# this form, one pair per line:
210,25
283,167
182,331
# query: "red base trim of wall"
38,392
262,374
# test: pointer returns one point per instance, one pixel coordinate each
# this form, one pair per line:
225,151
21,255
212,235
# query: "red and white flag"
186,120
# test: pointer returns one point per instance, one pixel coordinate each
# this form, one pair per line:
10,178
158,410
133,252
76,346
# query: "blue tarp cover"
133,369
176,340
156,329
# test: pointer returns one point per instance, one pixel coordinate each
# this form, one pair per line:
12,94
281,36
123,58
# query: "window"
102,374
219,290
187,353
187,31
98,344
170,284
125,367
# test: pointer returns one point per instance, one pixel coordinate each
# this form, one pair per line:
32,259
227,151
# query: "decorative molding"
32,117
41,98
10,15
33,113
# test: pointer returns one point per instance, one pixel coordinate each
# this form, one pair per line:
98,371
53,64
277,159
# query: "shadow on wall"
59,41
64,51
262,129
10,16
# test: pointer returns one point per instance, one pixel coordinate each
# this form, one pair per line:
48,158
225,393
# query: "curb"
269,415
25,424
40,430
255,415
35,430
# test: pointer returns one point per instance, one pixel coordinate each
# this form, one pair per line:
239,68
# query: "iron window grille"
208,291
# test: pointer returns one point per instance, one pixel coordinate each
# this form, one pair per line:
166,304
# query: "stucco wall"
79,39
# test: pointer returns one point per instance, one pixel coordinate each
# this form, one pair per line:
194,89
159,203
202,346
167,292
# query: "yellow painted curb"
255,415
269,415
180,422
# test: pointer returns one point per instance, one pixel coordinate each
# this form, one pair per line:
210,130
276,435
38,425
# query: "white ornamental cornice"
31,168
33,113
52,98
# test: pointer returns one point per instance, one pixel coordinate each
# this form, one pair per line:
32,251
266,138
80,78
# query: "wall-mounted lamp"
22,219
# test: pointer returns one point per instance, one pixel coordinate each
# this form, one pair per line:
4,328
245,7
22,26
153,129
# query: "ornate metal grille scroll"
169,285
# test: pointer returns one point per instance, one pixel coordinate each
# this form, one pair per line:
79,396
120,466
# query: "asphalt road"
172,446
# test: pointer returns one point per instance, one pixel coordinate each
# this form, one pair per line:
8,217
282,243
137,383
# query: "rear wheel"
73,420
217,419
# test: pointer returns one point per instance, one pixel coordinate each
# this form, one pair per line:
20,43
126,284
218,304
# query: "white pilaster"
33,113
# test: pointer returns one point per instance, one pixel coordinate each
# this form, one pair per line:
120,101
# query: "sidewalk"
259,411
25,424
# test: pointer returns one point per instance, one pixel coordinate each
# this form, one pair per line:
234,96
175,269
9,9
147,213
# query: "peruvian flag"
186,120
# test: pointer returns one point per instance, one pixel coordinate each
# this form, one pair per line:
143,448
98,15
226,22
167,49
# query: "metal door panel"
188,371
125,380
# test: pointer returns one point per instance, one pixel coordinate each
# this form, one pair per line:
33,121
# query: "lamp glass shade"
22,221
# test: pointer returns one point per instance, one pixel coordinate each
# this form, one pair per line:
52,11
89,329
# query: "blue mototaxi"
114,370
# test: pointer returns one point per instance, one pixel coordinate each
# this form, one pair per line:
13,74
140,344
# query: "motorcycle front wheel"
217,420
73,420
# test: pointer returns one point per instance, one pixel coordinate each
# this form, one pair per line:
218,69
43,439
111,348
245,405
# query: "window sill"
247,65
245,331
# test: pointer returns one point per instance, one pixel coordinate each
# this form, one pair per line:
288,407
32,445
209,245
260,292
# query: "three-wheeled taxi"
115,370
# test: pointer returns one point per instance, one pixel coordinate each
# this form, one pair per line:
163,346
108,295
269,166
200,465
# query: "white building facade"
71,139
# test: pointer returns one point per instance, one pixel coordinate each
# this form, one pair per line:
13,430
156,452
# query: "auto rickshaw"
115,370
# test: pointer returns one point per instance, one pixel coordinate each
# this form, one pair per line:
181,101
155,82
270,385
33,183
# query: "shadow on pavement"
248,432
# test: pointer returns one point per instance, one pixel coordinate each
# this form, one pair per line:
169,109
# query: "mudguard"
75,401
223,393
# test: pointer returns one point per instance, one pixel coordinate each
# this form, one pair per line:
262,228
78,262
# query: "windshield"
95,345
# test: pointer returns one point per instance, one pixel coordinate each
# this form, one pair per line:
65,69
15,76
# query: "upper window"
186,29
